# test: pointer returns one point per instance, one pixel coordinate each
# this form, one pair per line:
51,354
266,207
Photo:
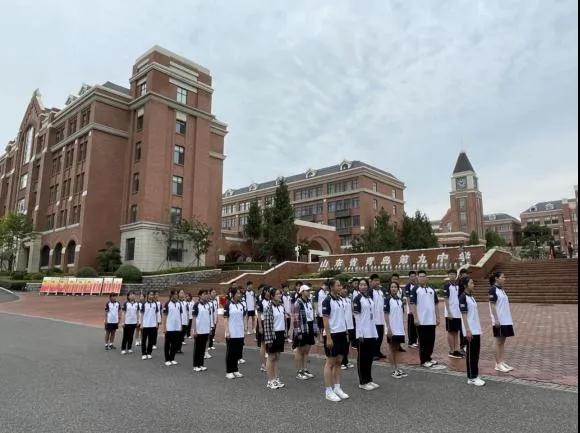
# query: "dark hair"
422,271
366,281
150,292
375,277
112,295
451,271
411,273
309,285
265,290
233,292
463,271
201,293
285,285
249,283
494,277
330,283
299,283
212,290
273,291
172,293
355,280
396,284
129,293
396,275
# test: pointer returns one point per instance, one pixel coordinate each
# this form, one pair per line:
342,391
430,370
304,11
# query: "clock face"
461,183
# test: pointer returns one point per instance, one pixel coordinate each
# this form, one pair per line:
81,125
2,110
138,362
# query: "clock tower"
466,212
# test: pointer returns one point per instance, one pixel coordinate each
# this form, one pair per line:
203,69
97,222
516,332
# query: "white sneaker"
174,363
301,376
149,357
208,356
263,369
154,347
343,395
272,385
308,374
501,368
144,357
138,343
184,343
343,367
203,368
230,376
428,364
331,396
196,370
350,366
375,385
130,351
242,361
168,364
367,387
476,382
123,352
238,375
507,366
279,384
212,348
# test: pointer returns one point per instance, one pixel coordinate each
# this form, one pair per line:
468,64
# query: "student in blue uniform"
452,314
130,320
149,315
159,319
172,313
366,334
234,315
472,331
335,342
184,320
411,326
395,311
379,315
190,305
274,337
350,328
304,332
201,328
112,313
501,318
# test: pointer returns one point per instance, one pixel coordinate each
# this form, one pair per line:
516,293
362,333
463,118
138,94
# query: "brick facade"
508,227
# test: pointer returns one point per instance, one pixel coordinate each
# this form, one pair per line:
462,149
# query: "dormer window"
310,174
229,192
550,206
253,187
84,89
345,165
493,217
534,209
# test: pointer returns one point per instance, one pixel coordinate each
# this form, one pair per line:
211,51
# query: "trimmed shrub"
87,272
18,275
13,285
129,274
330,273
37,276
55,271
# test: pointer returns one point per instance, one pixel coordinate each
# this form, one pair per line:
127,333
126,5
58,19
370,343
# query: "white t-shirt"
321,296
347,304
250,300
173,312
395,308
190,306
499,297
452,294
149,313
184,313
364,310
159,311
287,302
309,311
379,313
279,318
426,300
131,310
333,310
203,317
112,309
468,304
235,313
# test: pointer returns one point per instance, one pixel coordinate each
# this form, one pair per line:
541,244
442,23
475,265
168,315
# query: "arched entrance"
57,257
318,247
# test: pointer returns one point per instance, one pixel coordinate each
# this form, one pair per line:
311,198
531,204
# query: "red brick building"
507,226
466,212
333,205
118,164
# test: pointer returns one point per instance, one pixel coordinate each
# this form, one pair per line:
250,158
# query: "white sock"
337,387
329,390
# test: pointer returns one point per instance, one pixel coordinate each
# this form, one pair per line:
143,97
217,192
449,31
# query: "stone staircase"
537,282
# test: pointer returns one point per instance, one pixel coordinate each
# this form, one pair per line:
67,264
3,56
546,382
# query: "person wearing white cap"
304,332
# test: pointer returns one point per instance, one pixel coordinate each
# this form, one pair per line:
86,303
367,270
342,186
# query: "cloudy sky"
404,85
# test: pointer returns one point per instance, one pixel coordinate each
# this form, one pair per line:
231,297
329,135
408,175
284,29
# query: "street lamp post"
297,249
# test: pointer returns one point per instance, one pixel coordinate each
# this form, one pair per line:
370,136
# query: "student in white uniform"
184,320
335,342
201,328
379,299
366,334
287,303
395,311
274,337
215,304
304,332
172,312
112,313
424,303
159,319
452,314
263,303
251,308
472,331
234,315
130,319
320,297
149,314
350,329
501,319
190,305
411,326
138,331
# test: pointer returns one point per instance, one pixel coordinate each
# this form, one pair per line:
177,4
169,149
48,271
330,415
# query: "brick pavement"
544,350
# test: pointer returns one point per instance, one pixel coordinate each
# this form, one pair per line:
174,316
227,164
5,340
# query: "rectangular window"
79,183
179,155
59,134
69,156
135,188
345,241
62,218
180,127
21,206
82,151
28,144
138,151
130,249
177,185
24,181
50,222
133,214
56,163
175,251
375,187
394,193
243,221
77,215
356,221
142,88
462,204
139,124
176,213
181,95
375,204
85,117
394,210
72,125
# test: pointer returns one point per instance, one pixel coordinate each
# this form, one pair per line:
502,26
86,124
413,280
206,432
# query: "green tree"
279,230
253,228
379,237
537,234
417,233
109,258
473,238
199,234
15,230
494,240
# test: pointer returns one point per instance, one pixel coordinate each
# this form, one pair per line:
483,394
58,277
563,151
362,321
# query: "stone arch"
45,257
57,255
70,256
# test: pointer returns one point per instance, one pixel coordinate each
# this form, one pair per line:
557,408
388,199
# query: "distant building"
507,226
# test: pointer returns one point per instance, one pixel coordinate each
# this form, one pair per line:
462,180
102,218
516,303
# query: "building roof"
310,174
498,217
463,164
117,88
546,206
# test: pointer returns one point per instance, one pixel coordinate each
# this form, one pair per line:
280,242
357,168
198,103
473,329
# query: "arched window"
45,256
70,253
57,257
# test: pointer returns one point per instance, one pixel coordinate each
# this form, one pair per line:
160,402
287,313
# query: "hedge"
14,285
129,274
179,270
87,272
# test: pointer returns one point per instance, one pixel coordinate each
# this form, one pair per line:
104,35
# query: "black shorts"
352,338
259,338
396,339
320,323
453,325
504,331
278,345
251,314
111,326
340,348
307,339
